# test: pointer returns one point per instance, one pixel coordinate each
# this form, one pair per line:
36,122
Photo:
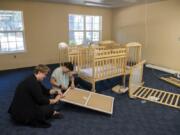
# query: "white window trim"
23,33
84,31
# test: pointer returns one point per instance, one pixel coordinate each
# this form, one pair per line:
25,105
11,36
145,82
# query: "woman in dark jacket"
31,104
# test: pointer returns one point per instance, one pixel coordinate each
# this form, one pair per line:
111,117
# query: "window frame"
84,30
23,36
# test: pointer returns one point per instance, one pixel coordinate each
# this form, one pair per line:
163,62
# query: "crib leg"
124,80
93,87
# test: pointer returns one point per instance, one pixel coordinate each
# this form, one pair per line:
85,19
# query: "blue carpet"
130,117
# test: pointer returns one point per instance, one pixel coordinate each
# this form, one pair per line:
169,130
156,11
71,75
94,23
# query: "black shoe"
78,86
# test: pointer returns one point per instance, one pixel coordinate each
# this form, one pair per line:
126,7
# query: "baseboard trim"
28,67
171,71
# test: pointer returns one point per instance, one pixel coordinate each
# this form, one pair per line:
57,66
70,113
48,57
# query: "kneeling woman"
31,104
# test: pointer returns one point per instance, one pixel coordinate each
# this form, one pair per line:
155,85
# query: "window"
84,29
11,31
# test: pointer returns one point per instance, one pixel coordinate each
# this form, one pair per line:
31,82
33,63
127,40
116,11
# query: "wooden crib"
95,65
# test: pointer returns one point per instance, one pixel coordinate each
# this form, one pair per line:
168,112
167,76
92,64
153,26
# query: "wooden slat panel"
168,96
154,91
146,91
138,91
135,92
178,102
172,99
149,93
159,95
165,97
142,93
162,97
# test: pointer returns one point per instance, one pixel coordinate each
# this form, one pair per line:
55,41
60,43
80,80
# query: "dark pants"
47,111
38,118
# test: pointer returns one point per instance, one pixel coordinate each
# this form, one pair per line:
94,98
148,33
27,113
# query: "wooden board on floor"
89,100
158,96
171,80
136,90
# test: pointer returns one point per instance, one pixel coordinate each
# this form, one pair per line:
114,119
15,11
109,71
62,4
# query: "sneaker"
57,115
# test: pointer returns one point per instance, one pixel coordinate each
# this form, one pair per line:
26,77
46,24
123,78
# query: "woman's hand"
72,86
58,97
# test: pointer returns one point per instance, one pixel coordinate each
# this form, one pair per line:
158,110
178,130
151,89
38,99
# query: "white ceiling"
102,3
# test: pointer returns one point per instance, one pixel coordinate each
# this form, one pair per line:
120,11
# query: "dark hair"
68,65
41,68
